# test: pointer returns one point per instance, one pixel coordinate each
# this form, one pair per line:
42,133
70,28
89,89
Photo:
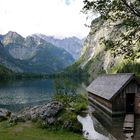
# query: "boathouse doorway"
130,102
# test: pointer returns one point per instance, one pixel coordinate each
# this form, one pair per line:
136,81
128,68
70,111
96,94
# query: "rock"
43,112
47,116
53,116
34,117
21,118
51,120
13,118
51,109
4,114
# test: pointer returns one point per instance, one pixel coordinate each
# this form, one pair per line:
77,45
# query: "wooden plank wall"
118,103
104,102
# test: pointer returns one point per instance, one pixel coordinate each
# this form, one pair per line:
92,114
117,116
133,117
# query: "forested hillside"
113,44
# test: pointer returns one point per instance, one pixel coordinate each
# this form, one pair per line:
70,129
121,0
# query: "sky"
60,18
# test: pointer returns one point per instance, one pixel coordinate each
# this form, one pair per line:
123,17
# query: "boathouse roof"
106,86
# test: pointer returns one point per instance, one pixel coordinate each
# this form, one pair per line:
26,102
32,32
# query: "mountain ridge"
71,44
33,54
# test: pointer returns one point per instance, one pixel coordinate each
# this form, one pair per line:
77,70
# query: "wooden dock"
128,126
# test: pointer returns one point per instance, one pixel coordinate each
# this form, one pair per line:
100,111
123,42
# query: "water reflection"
115,125
89,123
67,85
15,95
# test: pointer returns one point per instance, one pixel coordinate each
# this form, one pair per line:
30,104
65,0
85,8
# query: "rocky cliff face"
32,54
73,45
7,61
12,37
109,49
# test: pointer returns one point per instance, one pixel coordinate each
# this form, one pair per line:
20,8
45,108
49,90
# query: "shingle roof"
106,86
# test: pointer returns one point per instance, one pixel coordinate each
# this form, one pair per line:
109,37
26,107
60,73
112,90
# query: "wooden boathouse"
115,94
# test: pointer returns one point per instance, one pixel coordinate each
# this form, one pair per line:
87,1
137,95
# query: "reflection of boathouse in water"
115,94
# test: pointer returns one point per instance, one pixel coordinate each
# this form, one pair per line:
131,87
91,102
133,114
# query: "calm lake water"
16,95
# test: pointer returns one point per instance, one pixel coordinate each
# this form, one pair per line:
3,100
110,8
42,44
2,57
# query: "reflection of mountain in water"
27,92
89,128
15,95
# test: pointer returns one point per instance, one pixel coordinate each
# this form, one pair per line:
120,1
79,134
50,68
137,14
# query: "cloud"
50,17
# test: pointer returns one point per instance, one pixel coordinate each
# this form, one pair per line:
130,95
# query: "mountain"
12,38
33,54
72,44
8,61
5,73
109,49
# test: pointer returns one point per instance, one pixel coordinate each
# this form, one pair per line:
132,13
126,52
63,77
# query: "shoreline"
58,114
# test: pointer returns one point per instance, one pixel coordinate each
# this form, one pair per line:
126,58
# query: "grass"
29,131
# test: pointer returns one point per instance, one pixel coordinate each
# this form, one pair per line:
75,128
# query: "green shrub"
77,102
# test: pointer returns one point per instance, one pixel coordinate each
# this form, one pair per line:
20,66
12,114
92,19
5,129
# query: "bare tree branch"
131,8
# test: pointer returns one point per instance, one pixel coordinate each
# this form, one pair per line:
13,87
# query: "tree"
123,12
127,10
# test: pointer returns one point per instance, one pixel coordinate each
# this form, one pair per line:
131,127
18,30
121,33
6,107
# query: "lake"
18,94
